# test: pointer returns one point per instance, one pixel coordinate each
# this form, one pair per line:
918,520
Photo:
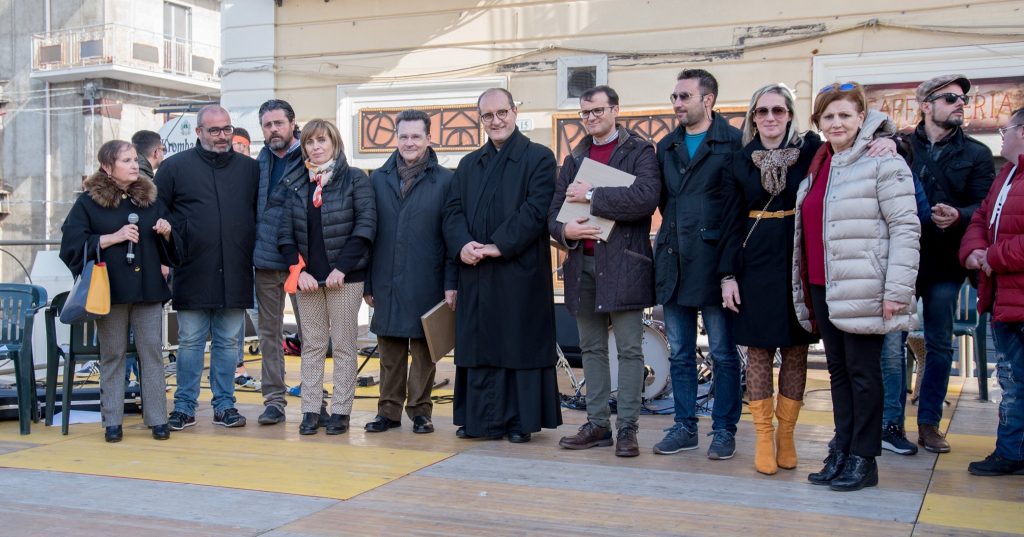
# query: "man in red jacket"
994,244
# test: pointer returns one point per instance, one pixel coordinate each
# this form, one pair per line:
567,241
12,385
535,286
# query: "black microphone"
132,219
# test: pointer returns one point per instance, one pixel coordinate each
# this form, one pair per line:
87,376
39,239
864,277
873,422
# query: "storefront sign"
453,128
992,102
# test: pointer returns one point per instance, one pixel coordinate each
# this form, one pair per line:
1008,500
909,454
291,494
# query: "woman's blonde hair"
317,127
793,137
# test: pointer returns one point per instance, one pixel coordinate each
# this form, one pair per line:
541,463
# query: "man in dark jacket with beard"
210,194
494,222
410,272
956,171
609,281
692,159
280,163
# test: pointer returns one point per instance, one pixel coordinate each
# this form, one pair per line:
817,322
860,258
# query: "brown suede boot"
787,411
764,448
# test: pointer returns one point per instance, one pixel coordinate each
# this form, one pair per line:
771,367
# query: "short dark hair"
1018,113
413,115
705,80
277,104
109,151
146,141
239,131
507,93
613,96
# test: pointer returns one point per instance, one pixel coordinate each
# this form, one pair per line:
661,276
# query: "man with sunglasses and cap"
956,171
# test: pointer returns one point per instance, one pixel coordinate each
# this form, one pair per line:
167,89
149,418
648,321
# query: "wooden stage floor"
272,482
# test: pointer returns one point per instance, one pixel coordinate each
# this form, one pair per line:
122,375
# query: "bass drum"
656,366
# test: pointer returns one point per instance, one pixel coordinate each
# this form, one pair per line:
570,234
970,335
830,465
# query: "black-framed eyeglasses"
684,96
500,114
762,112
950,98
596,112
1008,128
845,86
217,131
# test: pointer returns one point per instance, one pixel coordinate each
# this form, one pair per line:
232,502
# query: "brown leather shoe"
625,442
590,435
931,439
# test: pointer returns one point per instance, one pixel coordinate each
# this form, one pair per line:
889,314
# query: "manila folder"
439,327
598,175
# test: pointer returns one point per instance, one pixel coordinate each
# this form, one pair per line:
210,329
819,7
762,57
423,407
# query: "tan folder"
439,327
598,175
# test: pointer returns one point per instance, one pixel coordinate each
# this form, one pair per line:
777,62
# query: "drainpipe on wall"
48,161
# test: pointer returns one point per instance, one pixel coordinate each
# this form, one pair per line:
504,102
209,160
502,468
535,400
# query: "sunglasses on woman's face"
950,98
762,112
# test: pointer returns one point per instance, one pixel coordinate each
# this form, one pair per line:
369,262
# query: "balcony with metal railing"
125,53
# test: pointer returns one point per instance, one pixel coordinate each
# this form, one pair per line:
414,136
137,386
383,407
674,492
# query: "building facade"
360,62
77,75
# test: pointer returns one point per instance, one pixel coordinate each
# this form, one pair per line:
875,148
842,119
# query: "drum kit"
657,368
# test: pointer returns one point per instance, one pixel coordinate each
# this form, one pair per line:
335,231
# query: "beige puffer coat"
872,239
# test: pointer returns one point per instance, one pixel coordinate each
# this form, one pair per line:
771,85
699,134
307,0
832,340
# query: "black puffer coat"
348,210
270,207
625,265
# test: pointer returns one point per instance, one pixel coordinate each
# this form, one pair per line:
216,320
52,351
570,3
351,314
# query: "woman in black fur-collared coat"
99,221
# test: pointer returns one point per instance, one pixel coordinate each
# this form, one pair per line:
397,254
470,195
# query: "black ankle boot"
858,473
337,424
113,434
310,423
834,464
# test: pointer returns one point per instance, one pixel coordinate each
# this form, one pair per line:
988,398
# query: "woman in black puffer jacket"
329,221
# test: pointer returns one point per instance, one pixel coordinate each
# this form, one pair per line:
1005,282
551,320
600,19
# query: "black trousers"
855,373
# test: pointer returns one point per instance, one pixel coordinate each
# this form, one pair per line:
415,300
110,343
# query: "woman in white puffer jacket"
855,260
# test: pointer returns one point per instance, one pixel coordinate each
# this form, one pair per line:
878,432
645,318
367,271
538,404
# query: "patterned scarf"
774,164
321,175
409,172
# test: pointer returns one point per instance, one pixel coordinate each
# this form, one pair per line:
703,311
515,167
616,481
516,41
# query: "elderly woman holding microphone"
330,220
855,258
102,218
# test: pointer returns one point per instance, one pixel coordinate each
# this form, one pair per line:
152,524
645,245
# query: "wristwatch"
590,194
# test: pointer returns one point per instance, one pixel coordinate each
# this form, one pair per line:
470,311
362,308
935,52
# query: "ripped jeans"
1009,339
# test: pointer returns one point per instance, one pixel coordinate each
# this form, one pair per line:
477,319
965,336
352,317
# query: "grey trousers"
270,299
146,322
398,388
629,329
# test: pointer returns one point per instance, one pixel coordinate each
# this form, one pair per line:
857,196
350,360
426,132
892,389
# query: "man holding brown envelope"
608,280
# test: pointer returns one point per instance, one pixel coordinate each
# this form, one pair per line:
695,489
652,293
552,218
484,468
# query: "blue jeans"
1009,339
681,326
894,378
939,310
193,328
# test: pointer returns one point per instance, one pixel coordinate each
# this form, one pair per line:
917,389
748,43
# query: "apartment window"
177,38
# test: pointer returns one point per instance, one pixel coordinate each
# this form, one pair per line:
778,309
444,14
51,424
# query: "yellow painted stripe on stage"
323,469
970,513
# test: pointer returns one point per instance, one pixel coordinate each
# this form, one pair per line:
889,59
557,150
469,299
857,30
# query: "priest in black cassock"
495,218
